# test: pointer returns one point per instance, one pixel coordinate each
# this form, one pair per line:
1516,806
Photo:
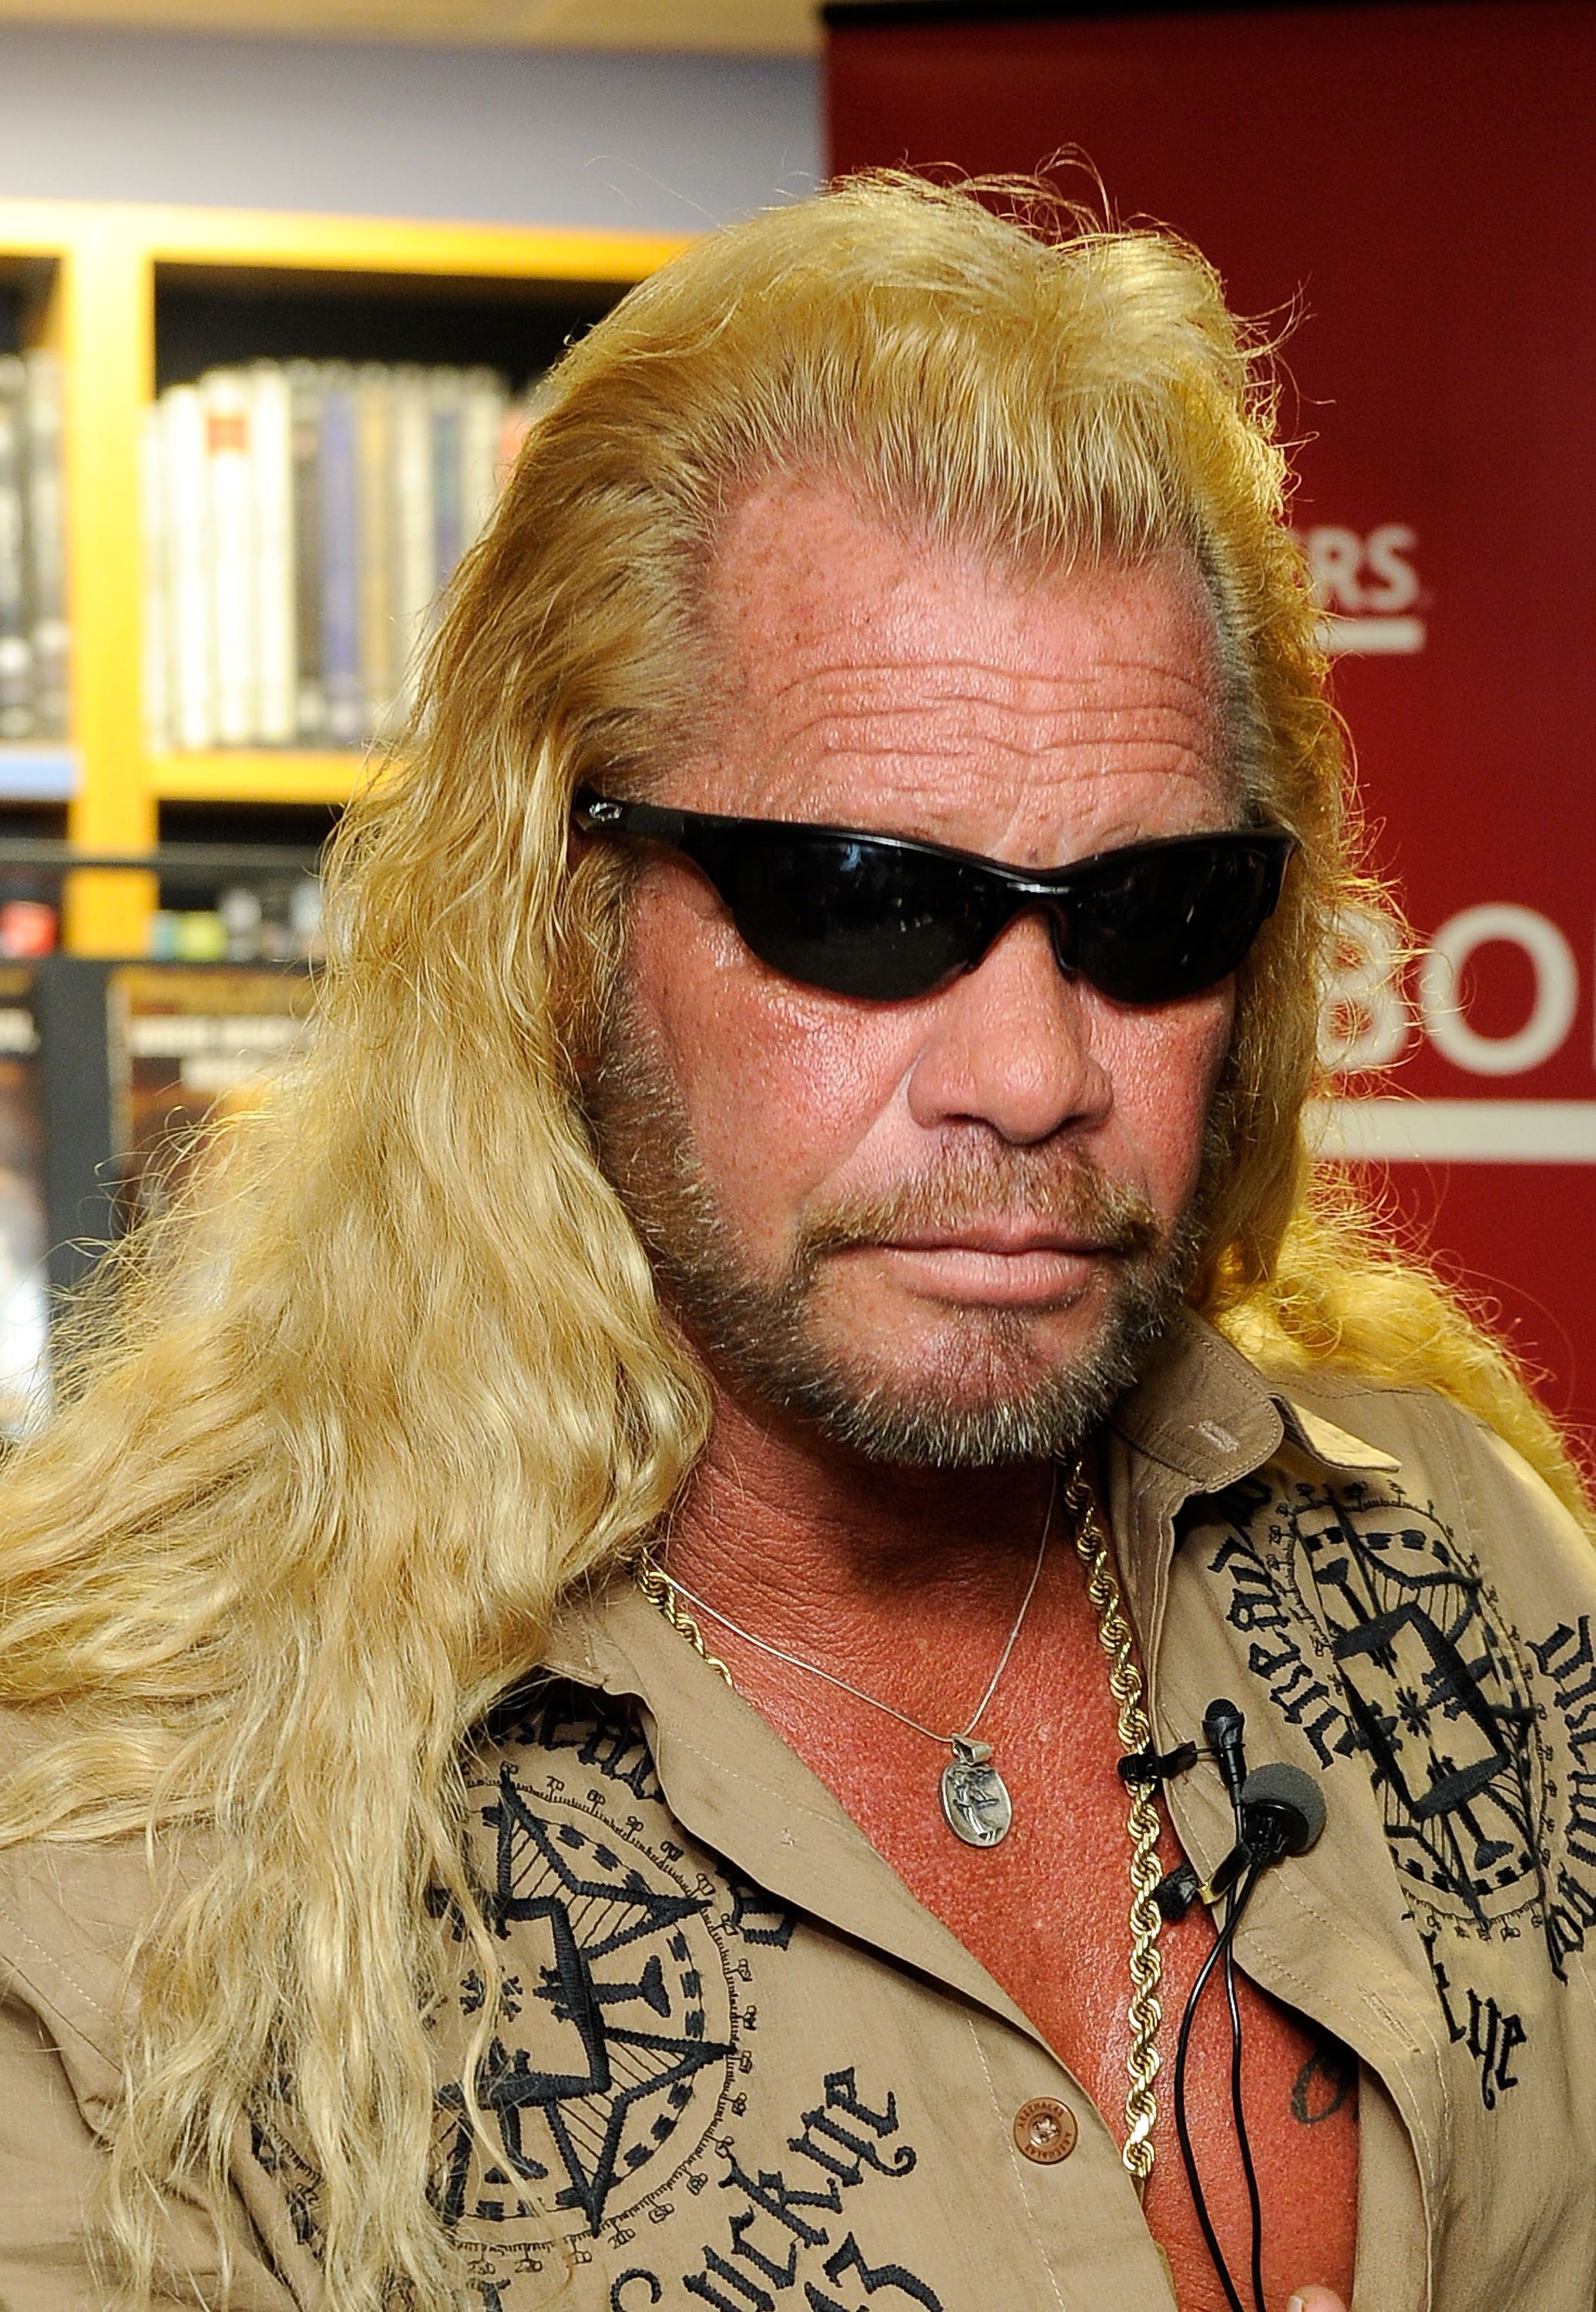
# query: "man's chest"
1047,1914
680,2042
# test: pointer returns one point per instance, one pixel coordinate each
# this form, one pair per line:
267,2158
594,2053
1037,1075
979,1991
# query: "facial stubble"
995,1394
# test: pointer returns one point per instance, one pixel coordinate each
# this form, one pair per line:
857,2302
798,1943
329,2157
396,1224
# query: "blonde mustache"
981,1186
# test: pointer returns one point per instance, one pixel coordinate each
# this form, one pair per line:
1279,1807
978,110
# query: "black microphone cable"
1235,1903
1279,1811
1224,1726
1238,2115
1227,1737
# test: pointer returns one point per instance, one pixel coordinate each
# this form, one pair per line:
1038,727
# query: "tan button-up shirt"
735,2065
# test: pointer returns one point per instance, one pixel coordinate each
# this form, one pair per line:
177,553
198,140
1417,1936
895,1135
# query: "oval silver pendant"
976,1803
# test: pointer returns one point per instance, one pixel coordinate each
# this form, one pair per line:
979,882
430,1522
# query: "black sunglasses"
884,917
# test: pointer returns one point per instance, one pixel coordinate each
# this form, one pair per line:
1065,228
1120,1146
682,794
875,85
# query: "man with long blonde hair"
763,1604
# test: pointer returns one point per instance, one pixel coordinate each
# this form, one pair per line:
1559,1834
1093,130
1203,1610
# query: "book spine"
340,571
272,467
305,388
448,522
482,413
234,576
185,528
47,543
514,426
414,580
154,635
24,1298
374,454
16,659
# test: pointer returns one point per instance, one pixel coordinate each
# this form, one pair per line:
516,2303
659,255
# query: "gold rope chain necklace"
1135,1733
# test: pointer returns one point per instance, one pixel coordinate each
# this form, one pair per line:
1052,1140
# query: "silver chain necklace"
976,1803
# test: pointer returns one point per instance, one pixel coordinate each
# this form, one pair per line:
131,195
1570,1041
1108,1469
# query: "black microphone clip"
1175,1892
1151,1768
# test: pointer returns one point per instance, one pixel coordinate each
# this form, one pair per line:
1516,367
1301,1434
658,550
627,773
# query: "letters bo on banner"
1435,382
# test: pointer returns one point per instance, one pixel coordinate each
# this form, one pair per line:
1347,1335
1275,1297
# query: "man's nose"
1010,1044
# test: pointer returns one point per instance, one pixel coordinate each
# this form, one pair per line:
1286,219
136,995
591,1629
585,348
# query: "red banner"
1414,182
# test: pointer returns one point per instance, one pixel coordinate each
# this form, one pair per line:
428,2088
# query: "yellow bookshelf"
89,275
257,775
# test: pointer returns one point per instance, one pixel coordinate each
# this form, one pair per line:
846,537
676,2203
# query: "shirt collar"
733,1783
1208,1416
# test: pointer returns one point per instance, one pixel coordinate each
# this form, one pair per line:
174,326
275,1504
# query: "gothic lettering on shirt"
1492,2036
777,2230
552,1716
758,1917
1306,1695
1567,1660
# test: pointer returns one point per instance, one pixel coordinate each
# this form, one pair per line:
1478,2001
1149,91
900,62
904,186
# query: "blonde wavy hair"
345,1425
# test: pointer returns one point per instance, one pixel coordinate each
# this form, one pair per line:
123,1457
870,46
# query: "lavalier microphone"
1222,1729
1279,1811
1283,1812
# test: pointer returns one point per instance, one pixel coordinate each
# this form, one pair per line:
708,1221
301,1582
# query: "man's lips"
1000,1265
1006,1238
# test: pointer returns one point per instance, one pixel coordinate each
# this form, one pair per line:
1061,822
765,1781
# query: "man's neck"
795,1537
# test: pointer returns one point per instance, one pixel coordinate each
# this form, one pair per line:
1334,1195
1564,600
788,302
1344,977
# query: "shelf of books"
240,455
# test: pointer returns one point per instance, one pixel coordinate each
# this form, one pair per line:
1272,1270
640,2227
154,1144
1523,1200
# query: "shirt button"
1045,2130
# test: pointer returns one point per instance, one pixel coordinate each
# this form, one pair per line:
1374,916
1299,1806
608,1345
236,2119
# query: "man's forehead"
802,558
849,656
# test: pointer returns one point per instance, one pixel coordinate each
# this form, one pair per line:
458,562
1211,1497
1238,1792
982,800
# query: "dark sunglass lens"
845,914
1169,922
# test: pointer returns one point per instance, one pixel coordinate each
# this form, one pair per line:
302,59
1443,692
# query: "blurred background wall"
666,142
